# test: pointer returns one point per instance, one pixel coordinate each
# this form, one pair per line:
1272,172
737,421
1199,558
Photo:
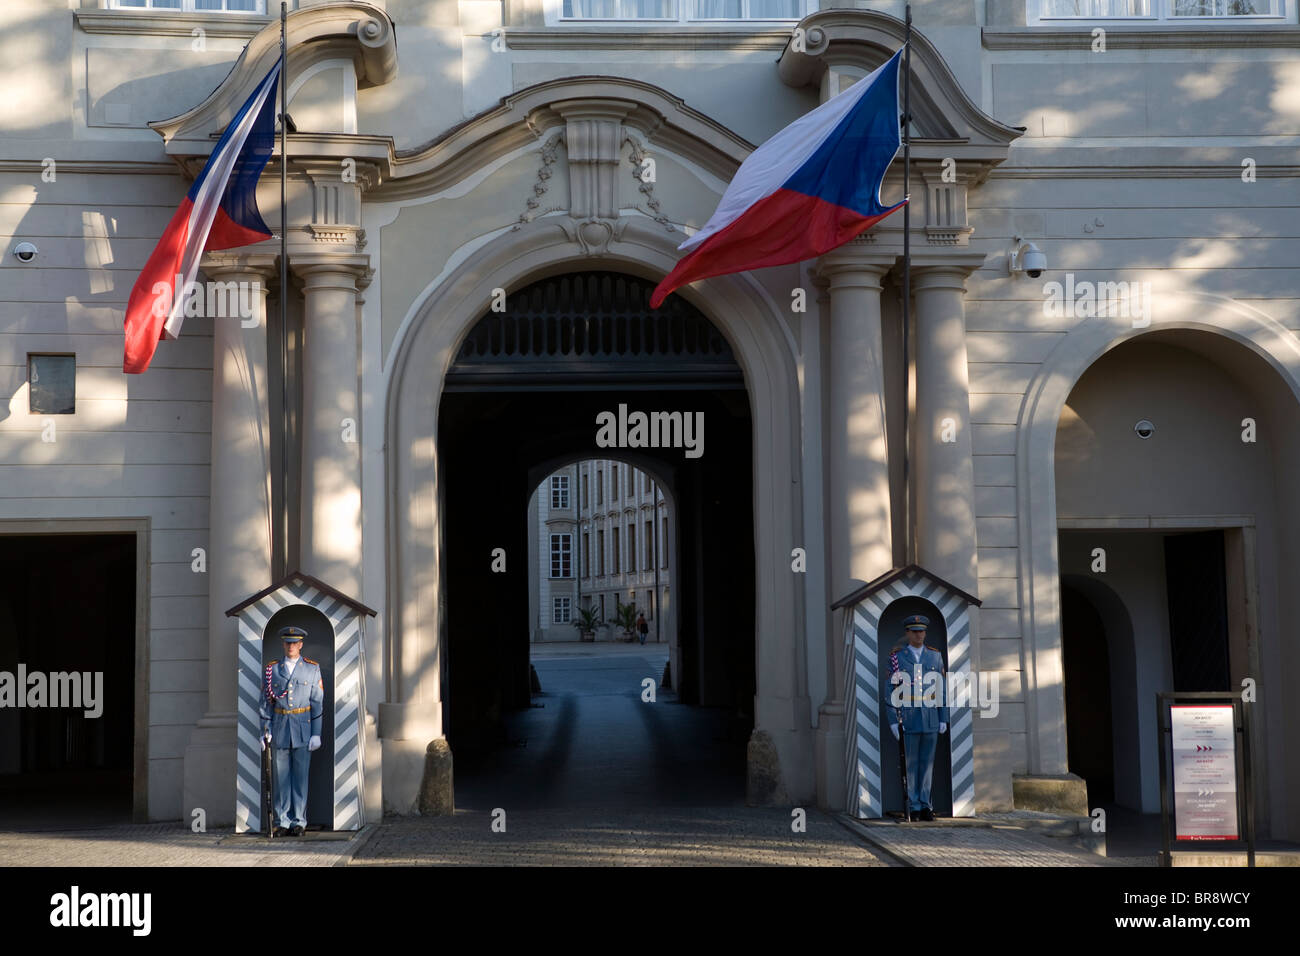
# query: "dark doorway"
892,635
1090,742
1196,587
67,607
525,391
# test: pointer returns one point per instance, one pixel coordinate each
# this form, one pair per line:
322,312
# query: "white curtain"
1096,8
746,9
620,9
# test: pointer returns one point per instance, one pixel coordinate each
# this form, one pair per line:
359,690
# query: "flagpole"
907,276
284,284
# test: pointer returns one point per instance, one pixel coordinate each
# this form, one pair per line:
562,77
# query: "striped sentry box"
346,617
862,691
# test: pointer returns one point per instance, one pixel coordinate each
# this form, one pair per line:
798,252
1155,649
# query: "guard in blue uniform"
924,714
293,707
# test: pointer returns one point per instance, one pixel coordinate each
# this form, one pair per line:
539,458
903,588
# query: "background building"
595,546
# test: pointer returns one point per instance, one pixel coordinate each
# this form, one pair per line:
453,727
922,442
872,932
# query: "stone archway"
1249,338
412,715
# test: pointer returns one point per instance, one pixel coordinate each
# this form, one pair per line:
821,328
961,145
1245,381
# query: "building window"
562,610
586,553
585,499
561,555
559,491
613,483
198,6
682,10
615,554
1040,11
631,547
631,483
600,487
663,546
649,545
600,557
602,607
52,384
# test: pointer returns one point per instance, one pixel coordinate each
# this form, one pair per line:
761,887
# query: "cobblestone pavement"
164,844
922,845
677,837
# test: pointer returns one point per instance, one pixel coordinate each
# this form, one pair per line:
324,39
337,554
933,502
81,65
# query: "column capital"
944,269
325,270
853,266
223,263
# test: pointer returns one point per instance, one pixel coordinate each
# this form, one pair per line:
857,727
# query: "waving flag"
219,212
811,187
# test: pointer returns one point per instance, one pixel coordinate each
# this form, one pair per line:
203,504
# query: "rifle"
268,781
902,750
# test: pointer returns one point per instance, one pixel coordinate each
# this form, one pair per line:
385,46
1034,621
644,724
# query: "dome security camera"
1027,258
25,251
1145,429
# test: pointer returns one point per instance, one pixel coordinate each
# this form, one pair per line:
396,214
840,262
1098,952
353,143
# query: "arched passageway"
541,382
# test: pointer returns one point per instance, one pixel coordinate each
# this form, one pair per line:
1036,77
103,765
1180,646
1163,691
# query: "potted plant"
625,617
587,621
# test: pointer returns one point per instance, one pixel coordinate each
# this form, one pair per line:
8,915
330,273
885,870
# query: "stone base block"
763,784
1051,793
993,773
209,775
403,775
437,794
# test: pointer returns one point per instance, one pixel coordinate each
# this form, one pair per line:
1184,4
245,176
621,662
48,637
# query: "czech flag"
811,187
219,212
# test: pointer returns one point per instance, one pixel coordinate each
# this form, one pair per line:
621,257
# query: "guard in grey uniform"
293,706
923,716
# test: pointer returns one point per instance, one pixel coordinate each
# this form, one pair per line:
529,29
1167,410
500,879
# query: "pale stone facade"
445,150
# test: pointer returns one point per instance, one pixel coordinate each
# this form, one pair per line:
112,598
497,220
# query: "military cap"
292,633
917,622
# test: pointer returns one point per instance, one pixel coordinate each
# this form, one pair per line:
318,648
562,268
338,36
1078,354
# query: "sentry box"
334,624
873,626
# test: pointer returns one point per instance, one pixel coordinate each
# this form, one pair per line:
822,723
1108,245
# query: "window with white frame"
559,491
562,610
193,6
561,555
680,11
1181,11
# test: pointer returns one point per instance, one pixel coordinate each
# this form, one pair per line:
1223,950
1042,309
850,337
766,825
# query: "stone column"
239,524
858,509
331,419
943,476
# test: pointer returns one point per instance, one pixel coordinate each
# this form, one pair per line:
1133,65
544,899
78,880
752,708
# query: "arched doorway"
1170,453
561,372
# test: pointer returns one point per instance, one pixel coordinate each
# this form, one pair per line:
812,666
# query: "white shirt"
290,663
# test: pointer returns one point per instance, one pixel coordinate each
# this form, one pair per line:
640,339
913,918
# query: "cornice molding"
119,167
625,38
173,23
353,29
1179,37
1141,172
530,115
864,39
